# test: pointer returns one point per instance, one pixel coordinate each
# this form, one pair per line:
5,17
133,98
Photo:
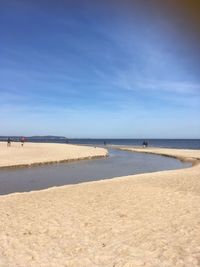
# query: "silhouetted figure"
8,141
145,144
104,143
22,140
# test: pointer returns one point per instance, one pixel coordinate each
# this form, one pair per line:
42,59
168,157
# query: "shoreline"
150,150
51,162
160,151
150,219
49,153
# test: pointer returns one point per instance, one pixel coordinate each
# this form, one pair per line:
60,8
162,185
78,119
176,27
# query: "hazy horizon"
94,138
90,70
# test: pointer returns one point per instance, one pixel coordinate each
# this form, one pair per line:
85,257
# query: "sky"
95,69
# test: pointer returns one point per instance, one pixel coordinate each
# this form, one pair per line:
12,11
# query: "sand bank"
182,154
143,220
43,153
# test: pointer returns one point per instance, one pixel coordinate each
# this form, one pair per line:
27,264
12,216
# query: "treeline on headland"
38,138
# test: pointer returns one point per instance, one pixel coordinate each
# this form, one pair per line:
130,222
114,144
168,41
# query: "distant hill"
37,138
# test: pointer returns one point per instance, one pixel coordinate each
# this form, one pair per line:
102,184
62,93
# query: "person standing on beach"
145,144
9,142
22,139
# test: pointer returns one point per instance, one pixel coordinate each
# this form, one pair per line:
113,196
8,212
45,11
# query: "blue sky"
88,71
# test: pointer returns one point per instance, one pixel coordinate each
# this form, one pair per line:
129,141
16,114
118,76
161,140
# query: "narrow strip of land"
149,219
182,154
44,153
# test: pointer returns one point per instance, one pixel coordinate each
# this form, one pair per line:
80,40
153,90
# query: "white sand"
142,220
40,153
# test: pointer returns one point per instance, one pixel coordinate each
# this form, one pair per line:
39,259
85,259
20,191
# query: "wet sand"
44,153
150,219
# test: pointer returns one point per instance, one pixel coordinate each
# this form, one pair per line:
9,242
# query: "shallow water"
119,163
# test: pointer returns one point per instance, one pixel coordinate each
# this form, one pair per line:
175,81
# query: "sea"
167,143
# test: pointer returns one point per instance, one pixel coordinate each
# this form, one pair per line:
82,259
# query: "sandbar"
45,153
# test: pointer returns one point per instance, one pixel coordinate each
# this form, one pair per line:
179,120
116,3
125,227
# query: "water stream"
119,163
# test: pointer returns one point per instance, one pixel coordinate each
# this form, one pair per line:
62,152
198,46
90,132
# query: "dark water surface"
119,163
170,143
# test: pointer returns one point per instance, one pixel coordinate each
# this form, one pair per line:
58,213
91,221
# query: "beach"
150,219
44,153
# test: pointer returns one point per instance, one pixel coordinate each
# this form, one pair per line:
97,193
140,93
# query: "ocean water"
169,143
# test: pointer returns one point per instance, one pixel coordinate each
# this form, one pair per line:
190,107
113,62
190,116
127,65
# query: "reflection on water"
119,163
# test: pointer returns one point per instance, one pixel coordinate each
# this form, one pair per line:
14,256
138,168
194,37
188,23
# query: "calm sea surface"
170,143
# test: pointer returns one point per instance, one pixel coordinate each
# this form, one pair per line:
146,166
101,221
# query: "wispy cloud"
87,63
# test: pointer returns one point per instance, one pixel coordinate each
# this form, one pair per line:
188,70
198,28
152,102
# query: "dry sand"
143,220
41,153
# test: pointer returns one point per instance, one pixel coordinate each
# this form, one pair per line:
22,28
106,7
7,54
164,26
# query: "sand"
43,153
182,154
142,220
